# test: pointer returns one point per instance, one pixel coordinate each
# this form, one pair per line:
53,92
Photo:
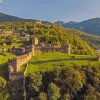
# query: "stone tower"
33,50
13,65
98,58
69,48
35,41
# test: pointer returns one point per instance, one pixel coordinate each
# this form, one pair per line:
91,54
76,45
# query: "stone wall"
33,50
39,50
15,63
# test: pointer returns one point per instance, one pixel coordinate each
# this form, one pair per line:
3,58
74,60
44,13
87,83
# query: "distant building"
38,22
6,32
26,37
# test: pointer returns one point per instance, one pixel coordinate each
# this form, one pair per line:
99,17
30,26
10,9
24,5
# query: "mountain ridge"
91,26
10,18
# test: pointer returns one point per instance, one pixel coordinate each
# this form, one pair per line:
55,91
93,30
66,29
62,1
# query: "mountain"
91,26
9,18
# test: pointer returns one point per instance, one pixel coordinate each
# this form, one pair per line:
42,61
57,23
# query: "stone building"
26,37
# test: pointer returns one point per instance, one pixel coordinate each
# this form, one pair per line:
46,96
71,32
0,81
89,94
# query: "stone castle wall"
39,50
15,63
33,50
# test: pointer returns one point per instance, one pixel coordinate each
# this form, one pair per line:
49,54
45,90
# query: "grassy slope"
57,55
51,65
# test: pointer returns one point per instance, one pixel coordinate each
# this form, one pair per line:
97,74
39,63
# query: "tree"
8,40
53,92
33,83
66,96
90,93
4,95
3,83
42,96
3,89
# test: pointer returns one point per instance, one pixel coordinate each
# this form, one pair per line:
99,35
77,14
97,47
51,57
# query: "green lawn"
48,66
57,55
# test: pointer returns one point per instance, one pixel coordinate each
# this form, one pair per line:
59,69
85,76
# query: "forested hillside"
51,34
91,39
70,83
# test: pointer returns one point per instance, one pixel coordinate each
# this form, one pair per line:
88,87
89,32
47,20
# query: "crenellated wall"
15,63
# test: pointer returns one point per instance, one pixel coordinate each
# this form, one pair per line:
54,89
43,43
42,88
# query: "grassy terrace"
57,55
47,66
3,60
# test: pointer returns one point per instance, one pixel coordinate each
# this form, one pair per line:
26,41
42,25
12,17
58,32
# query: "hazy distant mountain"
89,26
9,18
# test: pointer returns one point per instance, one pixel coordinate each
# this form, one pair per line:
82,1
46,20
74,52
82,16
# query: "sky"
52,10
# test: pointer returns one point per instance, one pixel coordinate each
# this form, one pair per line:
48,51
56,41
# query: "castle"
15,76
35,48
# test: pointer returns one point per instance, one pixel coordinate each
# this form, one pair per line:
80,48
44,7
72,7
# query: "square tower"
35,41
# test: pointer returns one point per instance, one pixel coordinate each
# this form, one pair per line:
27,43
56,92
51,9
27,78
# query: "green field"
57,55
48,66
